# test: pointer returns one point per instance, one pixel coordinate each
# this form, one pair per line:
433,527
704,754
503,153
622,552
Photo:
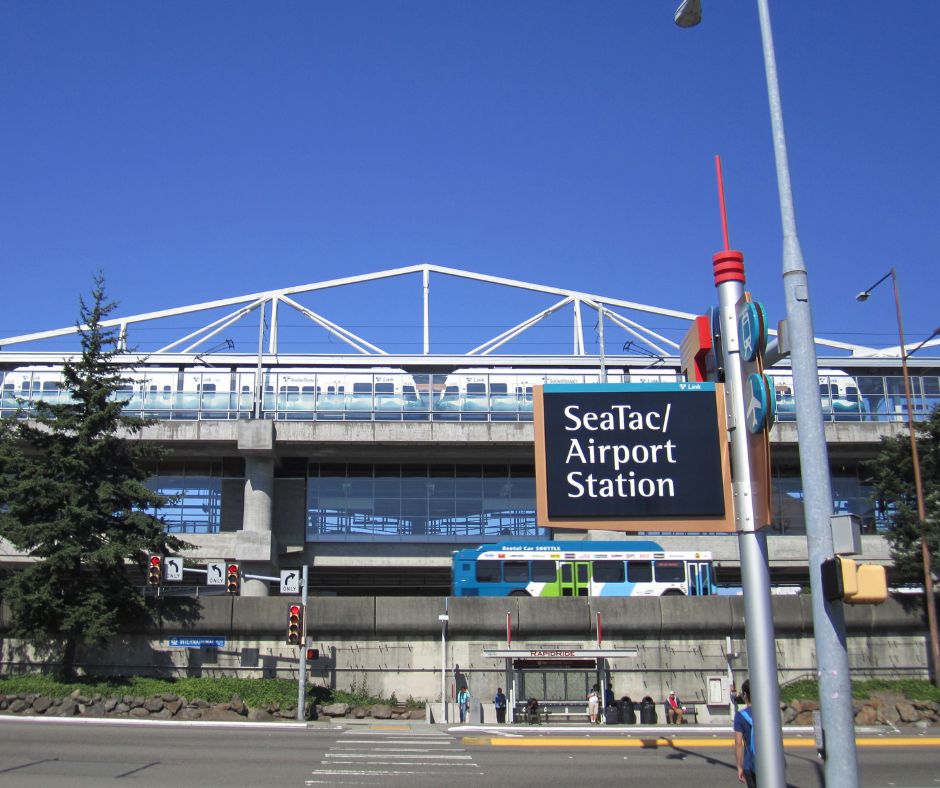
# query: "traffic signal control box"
853,583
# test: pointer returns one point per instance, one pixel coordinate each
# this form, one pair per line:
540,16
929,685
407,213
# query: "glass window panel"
544,572
639,572
488,571
516,571
669,571
608,571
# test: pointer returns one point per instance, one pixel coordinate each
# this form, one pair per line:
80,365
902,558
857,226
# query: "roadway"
54,753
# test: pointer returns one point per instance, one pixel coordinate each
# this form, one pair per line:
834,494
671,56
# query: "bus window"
516,572
488,571
639,571
544,572
670,572
608,571
582,573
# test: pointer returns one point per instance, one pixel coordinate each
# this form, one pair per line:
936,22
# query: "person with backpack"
463,702
744,739
499,702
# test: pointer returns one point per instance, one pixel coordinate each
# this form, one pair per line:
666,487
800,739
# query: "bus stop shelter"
557,676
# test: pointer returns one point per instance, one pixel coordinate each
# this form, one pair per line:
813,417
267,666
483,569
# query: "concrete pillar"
257,516
254,544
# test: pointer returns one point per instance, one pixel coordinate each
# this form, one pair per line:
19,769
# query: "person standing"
744,739
499,701
593,702
463,702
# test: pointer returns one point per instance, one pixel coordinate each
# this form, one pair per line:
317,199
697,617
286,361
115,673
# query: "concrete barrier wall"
393,644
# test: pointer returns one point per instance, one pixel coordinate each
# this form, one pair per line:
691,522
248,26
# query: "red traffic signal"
232,579
313,653
295,625
155,570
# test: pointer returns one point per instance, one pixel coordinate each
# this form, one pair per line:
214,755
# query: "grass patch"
912,689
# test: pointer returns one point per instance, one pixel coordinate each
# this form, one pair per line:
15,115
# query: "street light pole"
918,484
835,686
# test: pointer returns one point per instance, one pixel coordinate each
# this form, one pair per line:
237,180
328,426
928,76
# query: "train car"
838,393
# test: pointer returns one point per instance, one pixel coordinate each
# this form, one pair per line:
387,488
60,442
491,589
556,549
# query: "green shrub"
912,689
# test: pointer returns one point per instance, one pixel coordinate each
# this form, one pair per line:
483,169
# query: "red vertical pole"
599,638
509,629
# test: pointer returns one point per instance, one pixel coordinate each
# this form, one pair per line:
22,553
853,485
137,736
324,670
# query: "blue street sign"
198,642
759,403
752,329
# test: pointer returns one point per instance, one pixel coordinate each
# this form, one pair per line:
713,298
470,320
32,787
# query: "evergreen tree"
892,473
73,497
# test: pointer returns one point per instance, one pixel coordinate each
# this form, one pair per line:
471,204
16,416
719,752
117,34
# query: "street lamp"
835,688
918,485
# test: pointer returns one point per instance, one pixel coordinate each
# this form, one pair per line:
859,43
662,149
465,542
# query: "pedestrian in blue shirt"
744,740
499,701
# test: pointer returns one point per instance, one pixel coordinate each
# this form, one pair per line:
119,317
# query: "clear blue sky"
196,151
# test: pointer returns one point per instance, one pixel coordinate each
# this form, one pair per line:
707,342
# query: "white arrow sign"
290,581
173,568
215,573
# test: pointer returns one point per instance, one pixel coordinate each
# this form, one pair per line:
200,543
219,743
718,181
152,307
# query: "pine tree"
73,496
892,474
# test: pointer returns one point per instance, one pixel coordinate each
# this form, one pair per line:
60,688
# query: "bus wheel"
519,593
673,592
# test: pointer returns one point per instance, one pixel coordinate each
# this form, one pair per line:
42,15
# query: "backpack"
747,716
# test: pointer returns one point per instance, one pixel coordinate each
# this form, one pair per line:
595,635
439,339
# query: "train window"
246,389
851,394
409,393
25,386
362,389
639,571
384,388
516,571
499,388
670,571
307,390
544,572
608,571
488,571
476,388
528,392
451,391
54,385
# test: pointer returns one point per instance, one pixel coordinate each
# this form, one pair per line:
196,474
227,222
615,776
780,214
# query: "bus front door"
575,578
700,583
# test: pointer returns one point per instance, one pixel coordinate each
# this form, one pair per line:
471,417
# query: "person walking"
499,701
744,755
463,703
593,702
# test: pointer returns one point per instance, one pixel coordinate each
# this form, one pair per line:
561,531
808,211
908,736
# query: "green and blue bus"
557,569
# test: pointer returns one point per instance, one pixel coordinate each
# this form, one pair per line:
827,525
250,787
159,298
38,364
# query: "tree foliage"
73,496
892,474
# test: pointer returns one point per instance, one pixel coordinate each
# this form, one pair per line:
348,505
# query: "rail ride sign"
632,457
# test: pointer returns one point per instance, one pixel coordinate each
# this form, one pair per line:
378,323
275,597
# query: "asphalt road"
51,753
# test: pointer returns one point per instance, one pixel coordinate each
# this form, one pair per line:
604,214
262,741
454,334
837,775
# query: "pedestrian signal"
855,584
295,625
231,579
155,570
313,653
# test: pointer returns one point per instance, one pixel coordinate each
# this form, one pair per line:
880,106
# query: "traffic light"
295,625
855,584
313,653
155,570
231,579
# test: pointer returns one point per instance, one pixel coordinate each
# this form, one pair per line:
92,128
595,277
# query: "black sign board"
632,457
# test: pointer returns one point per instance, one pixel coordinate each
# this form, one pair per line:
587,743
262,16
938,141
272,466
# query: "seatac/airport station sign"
632,457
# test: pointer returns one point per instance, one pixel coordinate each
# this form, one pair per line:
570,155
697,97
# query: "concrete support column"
254,543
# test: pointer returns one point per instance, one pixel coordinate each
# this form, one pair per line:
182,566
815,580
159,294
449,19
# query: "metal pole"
919,492
600,341
259,385
443,619
302,658
752,546
835,687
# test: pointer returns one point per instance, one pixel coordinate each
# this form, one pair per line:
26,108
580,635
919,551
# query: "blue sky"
196,151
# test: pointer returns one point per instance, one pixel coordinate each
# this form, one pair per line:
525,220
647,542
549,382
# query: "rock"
153,705
121,708
788,714
922,725
173,705
867,715
93,710
42,704
189,713
68,708
360,712
163,714
290,712
221,713
418,714
200,704
260,715
169,697
139,712
382,711
80,697
907,712
335,710
803,718
19,706
237,705
110,705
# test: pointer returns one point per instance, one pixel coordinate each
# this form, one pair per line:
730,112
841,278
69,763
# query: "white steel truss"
268,303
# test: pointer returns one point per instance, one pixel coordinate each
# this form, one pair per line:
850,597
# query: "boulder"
189,713
335,710
237,705
18,706
260,715
153,705
360,712
906,711
382,711
867,715
68,708
42,704
139,712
